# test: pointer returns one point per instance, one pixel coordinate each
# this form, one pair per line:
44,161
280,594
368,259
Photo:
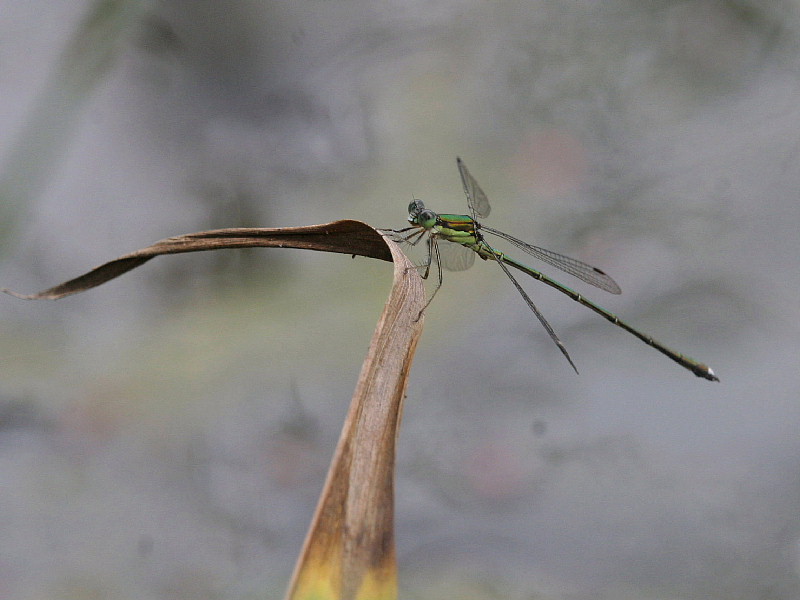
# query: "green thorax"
460,229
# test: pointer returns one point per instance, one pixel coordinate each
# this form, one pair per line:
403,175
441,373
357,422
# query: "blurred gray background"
167,435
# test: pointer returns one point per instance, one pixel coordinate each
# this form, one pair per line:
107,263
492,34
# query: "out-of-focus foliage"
657,140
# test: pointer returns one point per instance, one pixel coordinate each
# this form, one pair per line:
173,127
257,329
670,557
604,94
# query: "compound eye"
426,218
416,207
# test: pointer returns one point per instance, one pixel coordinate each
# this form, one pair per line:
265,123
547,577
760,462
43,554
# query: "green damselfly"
465,236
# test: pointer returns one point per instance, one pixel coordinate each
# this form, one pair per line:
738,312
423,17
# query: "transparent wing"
581,270
455,257
536,312
476,200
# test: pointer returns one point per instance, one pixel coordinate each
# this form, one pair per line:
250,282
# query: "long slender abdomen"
698,368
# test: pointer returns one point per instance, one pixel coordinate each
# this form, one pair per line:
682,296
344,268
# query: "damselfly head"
420,216
415,207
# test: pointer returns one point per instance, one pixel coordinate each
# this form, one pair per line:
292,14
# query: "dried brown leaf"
349,551
346,237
